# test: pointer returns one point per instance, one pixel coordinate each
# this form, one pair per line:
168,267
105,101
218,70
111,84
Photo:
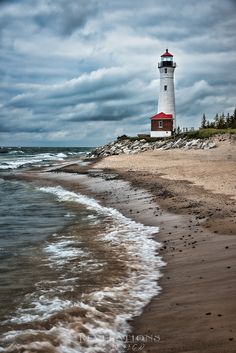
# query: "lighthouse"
163,122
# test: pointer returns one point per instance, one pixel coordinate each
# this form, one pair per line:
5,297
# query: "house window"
165,71
165,87
160,124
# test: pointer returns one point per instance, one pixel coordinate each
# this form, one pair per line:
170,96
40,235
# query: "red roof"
166,53
162,116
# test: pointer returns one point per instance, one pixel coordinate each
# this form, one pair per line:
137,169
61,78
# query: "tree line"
220,121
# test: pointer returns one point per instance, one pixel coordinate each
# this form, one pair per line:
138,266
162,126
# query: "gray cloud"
66,16
82,72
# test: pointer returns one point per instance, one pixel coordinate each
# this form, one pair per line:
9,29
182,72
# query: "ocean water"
73,272
22,157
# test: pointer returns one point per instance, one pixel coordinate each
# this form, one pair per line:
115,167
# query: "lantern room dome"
167,60
166,54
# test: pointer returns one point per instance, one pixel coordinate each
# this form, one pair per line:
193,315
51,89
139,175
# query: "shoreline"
194,311
198,262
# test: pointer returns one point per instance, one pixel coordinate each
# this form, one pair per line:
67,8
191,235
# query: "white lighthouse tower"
162,124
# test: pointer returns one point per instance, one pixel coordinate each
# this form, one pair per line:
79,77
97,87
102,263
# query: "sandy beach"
190,196
194,205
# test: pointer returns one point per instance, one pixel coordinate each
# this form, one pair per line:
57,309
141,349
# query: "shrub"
206,133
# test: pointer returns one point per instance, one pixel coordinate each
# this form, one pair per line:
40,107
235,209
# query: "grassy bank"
196,134
206,133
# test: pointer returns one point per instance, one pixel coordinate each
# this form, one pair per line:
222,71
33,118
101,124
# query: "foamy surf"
97,320
62,251
14,159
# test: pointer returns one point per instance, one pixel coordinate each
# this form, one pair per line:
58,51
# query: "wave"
13,158
16,152
18,163
31,160
98,320
61,155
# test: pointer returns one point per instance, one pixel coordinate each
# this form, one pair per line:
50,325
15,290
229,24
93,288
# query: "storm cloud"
82,72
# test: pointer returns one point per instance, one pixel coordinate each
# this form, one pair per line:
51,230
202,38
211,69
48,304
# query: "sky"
82,72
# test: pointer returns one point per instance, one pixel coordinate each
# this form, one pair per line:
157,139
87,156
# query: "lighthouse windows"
165,71
165,88
160,124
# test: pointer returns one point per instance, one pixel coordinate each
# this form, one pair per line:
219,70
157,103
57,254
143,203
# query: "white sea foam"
126,299
61,155
69,215
18,163
16,152
7,163
40,308
62,252
92,216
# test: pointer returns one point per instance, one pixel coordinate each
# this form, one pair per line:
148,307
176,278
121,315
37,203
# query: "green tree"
212,125
233,120
204,122
221,122
216,121
227,121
